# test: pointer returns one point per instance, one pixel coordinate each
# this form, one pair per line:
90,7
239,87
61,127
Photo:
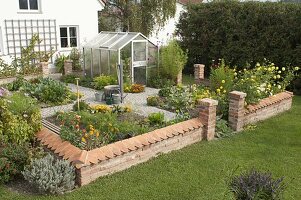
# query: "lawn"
201,170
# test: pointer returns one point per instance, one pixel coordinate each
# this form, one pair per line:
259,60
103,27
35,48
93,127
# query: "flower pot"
116,98
98,96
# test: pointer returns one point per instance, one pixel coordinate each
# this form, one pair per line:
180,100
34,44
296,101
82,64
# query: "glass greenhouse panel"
140,75
87,62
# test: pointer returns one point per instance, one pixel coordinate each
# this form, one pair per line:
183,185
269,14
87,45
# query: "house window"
32,5
69,36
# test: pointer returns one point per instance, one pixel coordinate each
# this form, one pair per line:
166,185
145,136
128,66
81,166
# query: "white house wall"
166,33
81,13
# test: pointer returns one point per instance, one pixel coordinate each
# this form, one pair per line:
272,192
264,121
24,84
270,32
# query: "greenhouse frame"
131,51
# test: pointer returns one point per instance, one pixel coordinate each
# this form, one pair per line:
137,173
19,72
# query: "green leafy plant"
153,101
50,175
102,81
17,84
156,118
222,129
179,99
172,60
82,106
255,185
7,170
60,62
75,57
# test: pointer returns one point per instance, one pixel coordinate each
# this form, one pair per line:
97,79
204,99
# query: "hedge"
241,32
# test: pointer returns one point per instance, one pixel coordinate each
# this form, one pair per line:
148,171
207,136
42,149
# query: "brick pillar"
208,116
199,73
179,78
45,69
68,67
236,110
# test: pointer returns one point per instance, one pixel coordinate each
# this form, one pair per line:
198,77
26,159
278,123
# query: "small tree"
172,60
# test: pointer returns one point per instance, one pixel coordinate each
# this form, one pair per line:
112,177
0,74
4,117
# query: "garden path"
137,101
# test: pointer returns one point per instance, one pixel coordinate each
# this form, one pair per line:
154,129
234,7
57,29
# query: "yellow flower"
221,87
278,76
218,90
84,140
223,81
283,68
224,91
235,74
279,72
296,68
279,87
277,68
275,77
269,86
97,133
273,68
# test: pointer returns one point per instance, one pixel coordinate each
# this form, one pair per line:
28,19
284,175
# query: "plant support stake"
77,79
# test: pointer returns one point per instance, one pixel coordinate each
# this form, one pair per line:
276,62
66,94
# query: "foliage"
89,130
156,119
7,170
84,81
154,101
241,32
179,99
136,16
222,129
60,62
256,185
20,118
165,91
50,175
48,91
172,60
263,81
134,88
7,70
17,84
101,81
221,78
75,57
82,106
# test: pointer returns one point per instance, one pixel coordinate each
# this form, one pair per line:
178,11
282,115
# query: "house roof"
185,2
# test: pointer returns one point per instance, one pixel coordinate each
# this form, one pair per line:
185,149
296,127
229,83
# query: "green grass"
201,170
188,79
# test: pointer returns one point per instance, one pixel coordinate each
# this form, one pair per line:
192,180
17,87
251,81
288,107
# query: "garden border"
121,155
240,116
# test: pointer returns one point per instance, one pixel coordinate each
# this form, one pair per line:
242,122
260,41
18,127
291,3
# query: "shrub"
172,60
153,101
7,70
102,81
48,91
50,175
7,170
17,84
60,62
20,118
82,106
157,81
165,91
179,99
241,32
156,119
222,129
75,57
256,185
69,78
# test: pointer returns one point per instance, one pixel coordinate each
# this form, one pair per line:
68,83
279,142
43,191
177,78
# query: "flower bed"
97,161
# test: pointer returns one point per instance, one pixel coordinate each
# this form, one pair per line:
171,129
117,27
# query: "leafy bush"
165,91
157,81
6,69
48,91
7,170
222,129
172,60
241,32
153,101
60,62
50,175
179,99
156,119
82,106
102,81
69,78
17,84
75,57
256,185
20,118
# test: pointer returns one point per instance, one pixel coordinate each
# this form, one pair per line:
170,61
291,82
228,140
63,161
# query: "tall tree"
136,15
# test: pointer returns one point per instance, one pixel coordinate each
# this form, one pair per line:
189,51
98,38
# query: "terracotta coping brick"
268,101
82,158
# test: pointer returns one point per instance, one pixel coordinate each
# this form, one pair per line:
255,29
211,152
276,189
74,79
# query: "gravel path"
137,101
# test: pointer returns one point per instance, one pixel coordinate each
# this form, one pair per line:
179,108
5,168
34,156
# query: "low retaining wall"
4,81
240,116
121,155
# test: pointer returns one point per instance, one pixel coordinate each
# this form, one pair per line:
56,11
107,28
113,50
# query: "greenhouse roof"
114,40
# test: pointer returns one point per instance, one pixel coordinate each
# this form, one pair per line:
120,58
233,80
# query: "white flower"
296,68
283,68
279,87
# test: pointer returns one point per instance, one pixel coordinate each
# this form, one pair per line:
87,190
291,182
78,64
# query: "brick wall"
121,155
240,116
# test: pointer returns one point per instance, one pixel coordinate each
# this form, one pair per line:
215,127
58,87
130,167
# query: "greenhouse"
113,53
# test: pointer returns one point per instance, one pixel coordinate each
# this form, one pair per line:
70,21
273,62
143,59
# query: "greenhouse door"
139,61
